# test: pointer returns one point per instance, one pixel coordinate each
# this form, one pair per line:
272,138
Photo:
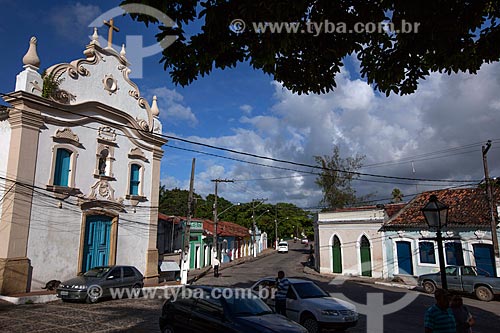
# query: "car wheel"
429,287
311,324
136,290
484,294
93,294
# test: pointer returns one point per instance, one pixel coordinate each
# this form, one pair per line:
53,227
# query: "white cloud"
172,110
71,21
247,109
445,112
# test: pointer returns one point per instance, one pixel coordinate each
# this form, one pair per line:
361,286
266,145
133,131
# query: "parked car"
283,247
208,312
311,306
467,279
96,283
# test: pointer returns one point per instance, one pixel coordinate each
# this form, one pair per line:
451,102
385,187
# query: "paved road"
141,315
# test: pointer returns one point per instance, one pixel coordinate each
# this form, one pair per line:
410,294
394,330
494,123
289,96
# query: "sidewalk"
45,296
404,284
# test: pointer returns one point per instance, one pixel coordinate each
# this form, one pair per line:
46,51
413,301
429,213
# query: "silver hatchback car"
99,281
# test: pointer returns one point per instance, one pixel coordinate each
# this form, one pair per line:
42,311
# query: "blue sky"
440,128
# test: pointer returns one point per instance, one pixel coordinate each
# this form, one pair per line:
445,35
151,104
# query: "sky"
435,133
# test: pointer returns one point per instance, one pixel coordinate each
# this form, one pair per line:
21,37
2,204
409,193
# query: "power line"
359,174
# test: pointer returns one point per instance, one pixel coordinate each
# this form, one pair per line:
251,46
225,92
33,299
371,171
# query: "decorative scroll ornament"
137,153
401,233
102,190
480,234
107,133
425,233
110,84
67,134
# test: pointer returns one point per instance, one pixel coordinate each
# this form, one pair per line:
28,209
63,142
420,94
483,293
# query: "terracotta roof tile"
467,207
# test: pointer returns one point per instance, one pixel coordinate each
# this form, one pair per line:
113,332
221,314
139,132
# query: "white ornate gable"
103,76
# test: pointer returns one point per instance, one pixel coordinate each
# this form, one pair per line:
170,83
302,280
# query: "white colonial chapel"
79,171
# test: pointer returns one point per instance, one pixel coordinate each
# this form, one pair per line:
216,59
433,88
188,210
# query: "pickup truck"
466,279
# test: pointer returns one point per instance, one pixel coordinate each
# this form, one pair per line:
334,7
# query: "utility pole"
491,202
187,232
217,181
254,225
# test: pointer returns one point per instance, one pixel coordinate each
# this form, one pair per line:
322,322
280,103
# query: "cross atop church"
112,27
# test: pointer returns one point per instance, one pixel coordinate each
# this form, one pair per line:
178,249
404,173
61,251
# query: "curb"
312,271
29,299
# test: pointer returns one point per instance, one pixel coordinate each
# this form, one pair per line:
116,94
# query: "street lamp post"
254,227
276,232
436,216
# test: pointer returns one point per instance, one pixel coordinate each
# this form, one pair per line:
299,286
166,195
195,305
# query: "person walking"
463,317
439,317
216,265
282,285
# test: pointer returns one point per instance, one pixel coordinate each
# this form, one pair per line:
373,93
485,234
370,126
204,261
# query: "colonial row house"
410,246
388,241
349,241
234,241
80,171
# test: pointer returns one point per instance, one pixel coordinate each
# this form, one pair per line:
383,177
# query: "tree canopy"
446,36
291,219
336,177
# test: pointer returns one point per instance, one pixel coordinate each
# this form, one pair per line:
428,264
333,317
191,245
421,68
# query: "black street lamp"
436,216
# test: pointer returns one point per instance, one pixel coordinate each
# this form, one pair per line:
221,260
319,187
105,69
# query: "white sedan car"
282,247
310,306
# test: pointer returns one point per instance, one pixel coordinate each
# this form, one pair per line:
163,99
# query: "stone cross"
110,33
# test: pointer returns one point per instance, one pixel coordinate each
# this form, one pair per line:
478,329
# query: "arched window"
62,167
365,257
135,179
336,255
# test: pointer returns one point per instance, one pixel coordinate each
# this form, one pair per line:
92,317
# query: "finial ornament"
154,107
95,38
112,27
122,52
31,57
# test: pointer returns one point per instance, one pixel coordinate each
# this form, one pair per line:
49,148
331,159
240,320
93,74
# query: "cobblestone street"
138,315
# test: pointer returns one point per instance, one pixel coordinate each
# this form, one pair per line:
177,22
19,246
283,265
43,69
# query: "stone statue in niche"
103,162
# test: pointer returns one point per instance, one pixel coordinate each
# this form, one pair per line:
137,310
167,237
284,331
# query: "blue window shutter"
61,171
134,179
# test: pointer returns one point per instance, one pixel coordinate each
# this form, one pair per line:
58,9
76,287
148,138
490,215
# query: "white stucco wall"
349,227
4,154
55,233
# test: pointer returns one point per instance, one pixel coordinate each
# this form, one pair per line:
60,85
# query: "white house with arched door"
348,241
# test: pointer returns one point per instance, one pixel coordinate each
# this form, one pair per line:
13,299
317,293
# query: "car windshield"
309,290
97,272
250,305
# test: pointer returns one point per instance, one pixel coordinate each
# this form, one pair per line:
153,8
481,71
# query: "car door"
453,278
129,277
178,314
113,280
292,304
468,277
208,316
266,290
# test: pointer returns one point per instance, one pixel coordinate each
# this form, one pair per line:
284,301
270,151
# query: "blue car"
211,309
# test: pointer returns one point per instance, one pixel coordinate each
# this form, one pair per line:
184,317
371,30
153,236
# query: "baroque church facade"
79,171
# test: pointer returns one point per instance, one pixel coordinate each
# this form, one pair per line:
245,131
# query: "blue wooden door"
405,263
483,253
97,239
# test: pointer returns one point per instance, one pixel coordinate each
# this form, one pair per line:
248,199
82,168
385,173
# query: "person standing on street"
216,265
463,317
282,285
439,317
